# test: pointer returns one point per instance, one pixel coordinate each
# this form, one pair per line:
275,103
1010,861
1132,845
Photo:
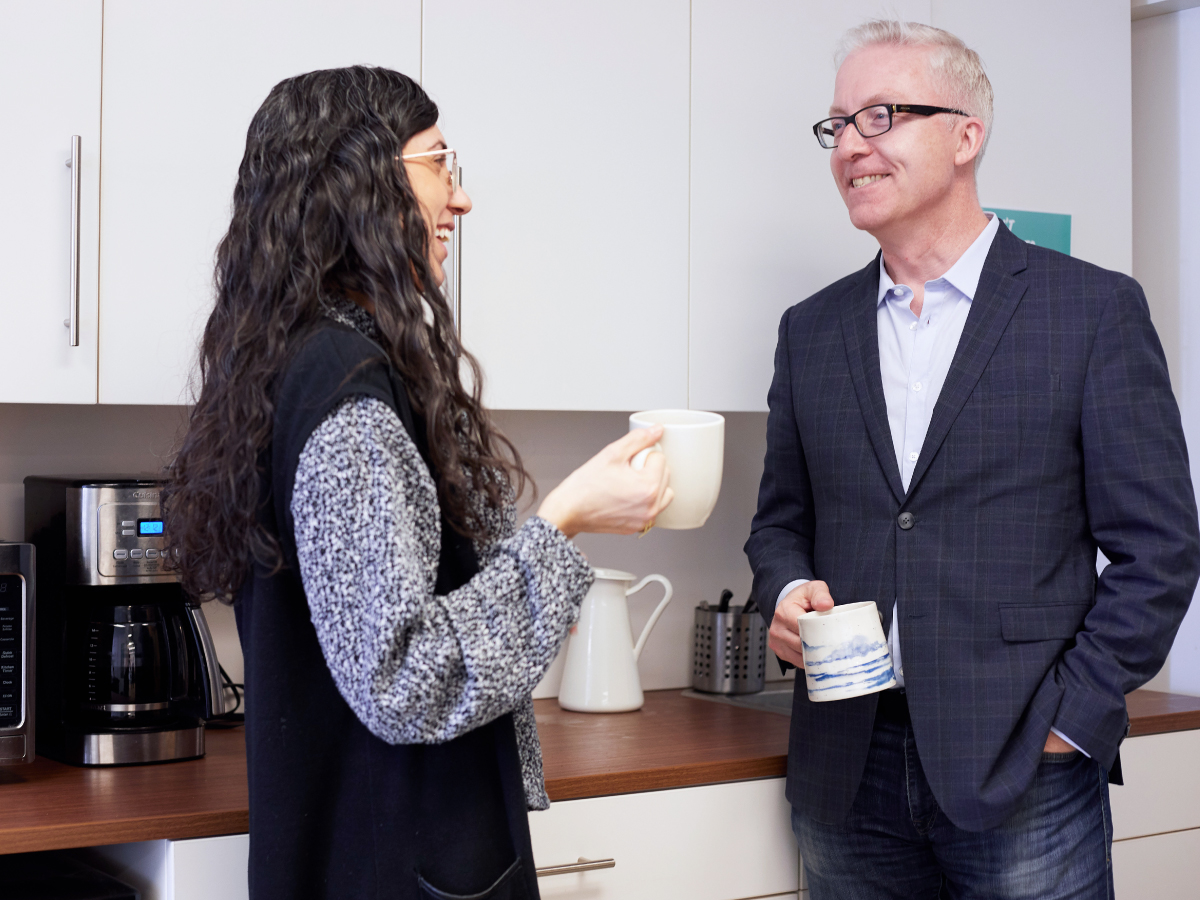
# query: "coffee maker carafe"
126,669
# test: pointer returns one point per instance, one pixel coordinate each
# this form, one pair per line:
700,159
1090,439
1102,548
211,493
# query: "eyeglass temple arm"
441,152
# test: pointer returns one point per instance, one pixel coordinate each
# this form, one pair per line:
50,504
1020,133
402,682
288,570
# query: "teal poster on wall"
1051,230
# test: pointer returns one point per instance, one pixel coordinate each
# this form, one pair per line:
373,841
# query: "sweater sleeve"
417,667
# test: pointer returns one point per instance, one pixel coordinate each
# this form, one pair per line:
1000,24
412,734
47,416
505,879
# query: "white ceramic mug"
845,652
694,445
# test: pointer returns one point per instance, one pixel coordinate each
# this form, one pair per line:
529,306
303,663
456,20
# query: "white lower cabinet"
1162,867
1156,818
718,842
198,869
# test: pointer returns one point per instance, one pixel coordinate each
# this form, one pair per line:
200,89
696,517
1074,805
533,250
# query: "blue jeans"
896,842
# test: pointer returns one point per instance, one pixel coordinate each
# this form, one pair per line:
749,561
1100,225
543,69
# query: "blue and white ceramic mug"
845,652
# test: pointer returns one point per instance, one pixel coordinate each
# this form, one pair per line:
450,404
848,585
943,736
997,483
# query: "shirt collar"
964,274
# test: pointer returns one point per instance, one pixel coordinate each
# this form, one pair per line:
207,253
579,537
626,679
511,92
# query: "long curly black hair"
322,205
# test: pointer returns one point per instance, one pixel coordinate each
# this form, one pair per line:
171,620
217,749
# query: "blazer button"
906,520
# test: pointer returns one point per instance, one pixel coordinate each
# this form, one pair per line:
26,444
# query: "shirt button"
906,520
917,386
912,457
913,326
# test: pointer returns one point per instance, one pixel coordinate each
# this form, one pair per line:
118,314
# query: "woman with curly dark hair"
342,484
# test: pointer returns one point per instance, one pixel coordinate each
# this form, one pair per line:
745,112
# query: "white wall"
58,440
1166,238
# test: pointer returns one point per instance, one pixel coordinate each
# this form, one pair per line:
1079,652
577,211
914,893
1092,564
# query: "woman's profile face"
430,180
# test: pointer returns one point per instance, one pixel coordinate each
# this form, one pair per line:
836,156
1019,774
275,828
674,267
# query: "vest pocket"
1041,622
509,886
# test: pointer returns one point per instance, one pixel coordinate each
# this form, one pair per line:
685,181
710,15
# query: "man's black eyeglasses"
872,121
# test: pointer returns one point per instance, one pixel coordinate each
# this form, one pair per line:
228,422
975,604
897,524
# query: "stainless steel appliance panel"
107,547
17,650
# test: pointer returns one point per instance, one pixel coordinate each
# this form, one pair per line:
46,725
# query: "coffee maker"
126,670
17,598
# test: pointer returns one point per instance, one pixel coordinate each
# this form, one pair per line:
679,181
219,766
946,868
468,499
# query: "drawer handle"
584,865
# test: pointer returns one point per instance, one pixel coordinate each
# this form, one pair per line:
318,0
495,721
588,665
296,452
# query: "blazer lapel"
860,331
996,300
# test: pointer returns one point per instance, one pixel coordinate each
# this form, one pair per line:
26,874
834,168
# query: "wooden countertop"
48,805
1156,712
674,741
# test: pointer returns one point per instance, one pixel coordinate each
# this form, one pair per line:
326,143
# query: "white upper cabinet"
181,83
768,225
571,121
50,71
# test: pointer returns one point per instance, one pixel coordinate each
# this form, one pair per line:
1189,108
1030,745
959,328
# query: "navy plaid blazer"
1056,433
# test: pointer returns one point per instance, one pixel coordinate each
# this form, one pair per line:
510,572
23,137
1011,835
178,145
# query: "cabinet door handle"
458,266
584,865
76,166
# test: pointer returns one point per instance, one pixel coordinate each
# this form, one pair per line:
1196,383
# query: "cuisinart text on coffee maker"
17,596
126,670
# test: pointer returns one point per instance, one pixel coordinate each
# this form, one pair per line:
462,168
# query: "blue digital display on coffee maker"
150,527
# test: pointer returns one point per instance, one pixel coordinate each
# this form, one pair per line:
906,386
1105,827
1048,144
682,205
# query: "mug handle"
639,461
641,641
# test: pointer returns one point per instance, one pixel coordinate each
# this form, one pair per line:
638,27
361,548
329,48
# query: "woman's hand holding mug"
607,495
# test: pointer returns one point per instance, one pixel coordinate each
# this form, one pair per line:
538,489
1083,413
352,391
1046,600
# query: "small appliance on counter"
126,670
17,597
729,654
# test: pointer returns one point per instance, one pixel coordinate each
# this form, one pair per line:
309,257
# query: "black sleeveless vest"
335,812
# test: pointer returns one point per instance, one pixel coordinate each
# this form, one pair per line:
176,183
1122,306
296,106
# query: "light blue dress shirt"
915,353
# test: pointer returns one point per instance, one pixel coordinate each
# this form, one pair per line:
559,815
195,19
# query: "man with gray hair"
954,431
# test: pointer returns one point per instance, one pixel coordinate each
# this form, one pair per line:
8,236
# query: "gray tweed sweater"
415,667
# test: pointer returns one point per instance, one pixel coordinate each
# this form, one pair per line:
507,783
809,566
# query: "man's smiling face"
899,177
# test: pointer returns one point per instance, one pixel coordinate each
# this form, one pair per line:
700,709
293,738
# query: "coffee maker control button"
127,531
120,554
135,554
129,523
152,554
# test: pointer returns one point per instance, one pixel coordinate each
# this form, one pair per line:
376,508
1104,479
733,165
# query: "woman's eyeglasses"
445,162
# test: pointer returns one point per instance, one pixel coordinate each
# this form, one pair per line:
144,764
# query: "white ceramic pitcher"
601,672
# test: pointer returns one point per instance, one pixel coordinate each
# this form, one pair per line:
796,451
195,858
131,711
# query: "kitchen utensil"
600,674
845,652
694,444
723,604
729,650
